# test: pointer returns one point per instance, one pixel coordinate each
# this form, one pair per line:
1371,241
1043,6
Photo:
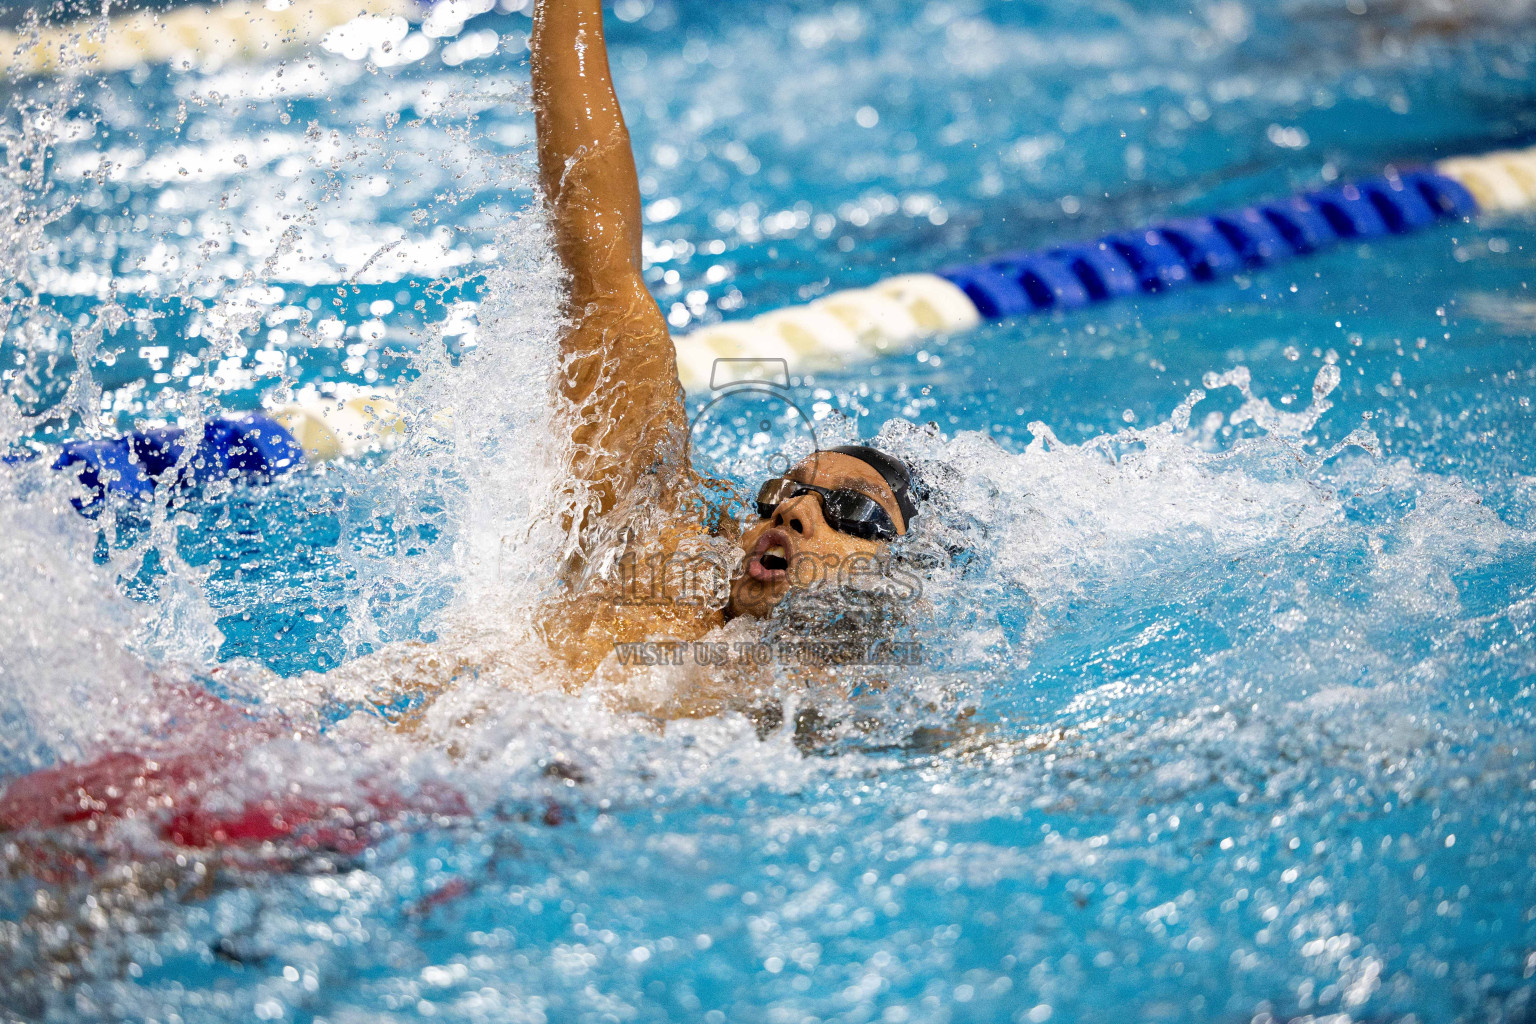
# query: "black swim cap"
895,473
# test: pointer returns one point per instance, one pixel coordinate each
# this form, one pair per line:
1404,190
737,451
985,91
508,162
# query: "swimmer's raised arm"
620,370
585,164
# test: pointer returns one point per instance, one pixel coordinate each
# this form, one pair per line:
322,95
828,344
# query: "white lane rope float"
196,35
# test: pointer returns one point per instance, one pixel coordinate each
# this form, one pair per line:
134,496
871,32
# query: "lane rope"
833,332
200,34
894,315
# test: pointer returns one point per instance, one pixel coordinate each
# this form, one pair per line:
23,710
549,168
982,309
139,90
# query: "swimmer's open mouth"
771,556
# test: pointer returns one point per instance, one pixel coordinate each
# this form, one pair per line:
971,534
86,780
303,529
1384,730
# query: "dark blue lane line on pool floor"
1199,249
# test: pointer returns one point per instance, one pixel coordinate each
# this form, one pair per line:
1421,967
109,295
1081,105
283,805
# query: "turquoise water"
1222,718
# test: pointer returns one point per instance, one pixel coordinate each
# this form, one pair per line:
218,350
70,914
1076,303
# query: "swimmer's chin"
755,598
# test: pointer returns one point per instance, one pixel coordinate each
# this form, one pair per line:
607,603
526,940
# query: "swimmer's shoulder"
584,629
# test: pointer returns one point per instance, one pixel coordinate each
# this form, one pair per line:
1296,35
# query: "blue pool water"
1225,713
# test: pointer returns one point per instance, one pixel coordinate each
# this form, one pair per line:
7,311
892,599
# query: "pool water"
1225,705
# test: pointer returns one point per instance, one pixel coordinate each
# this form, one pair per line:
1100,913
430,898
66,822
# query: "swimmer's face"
796,548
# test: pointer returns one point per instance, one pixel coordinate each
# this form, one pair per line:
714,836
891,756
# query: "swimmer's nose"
795,515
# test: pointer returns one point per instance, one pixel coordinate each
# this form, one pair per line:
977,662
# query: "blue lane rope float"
254,447
893,315
248,446
1196,249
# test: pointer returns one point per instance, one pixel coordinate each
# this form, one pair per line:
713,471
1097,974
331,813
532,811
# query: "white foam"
68,679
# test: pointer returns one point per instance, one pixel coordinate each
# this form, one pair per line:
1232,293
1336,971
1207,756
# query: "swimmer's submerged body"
641,505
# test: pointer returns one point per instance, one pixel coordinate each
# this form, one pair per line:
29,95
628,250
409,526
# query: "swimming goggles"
846,510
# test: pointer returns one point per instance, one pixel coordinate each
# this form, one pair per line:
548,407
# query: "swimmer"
645,521
840,507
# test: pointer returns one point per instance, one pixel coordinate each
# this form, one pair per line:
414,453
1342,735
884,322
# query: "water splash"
1209,716
69,680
